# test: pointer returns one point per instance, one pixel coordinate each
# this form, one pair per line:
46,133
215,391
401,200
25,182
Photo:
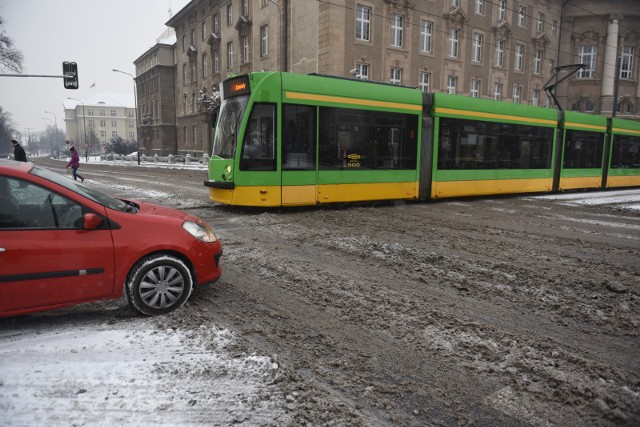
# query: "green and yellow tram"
286,139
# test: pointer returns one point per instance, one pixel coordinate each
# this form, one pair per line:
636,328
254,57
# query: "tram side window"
626,152
258,145
298,137
478,145
362,139
583,149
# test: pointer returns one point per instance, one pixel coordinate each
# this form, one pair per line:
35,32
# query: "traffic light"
70,73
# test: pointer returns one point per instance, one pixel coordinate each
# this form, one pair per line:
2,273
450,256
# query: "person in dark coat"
18,152
74,163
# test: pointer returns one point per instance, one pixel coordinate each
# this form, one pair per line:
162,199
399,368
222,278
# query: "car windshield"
90,193
231,112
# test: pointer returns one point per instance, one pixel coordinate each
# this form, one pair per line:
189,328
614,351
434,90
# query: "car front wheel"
158,284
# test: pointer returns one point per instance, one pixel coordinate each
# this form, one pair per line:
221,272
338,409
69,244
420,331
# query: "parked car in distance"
63,243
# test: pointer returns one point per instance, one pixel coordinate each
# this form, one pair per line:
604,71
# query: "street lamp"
84,126
135,100
56,127
50,142
283,34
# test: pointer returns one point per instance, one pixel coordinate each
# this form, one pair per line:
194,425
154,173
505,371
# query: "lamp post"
84,126
55,118
50,143
283,34
135,100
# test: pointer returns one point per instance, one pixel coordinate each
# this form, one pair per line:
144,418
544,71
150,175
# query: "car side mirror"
91,221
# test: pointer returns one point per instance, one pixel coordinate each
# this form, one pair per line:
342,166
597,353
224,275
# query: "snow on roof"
104,99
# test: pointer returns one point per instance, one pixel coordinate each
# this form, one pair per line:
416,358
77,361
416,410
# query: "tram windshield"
228,126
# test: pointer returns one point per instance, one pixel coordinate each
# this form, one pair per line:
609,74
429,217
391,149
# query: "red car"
63,243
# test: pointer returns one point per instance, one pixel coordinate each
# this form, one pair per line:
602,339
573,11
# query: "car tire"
158,284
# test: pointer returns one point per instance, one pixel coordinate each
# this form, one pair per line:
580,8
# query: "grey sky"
99,36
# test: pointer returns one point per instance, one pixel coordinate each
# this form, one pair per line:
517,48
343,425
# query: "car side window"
27,205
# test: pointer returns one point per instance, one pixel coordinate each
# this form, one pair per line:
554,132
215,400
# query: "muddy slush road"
491,311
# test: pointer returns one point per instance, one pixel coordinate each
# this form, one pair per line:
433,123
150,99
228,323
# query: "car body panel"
48,266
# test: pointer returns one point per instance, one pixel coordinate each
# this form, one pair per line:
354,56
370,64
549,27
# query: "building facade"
156,89
604,36
505,50
104,115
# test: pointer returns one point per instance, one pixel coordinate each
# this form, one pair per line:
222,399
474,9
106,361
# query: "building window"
479,7
114,134
454,35
185,73
522,16
90,112
455,3
552,66
396,30
245,7
102,114
587,56
103,134
205,66
517,91
451,84
229,14
519,60
245,49
230,55
194,130
424,81
535,97
396,76
589,106
194,71
537,62
114,113
103,123
426,36
477,48
626,62
91,124
500,53
203,30
497,91
363,23
264,40
502,10
540,23
114,124
216,61
554,27
184,43
362,71
475,88
216,24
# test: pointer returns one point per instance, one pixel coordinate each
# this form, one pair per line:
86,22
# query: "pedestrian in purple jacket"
74,163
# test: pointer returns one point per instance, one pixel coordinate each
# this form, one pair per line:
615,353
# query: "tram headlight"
228,169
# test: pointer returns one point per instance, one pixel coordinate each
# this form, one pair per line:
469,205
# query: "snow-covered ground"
131,372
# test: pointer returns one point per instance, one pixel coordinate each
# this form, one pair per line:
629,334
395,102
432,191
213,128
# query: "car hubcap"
161,287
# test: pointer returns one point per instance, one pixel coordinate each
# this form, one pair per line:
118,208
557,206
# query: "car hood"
157,210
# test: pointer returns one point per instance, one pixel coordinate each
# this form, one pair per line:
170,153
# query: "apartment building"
156,93
604,36
505,50
105,115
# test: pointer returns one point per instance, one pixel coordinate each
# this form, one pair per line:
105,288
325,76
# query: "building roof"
103,99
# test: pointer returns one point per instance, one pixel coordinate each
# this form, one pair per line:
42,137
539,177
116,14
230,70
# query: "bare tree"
10,57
